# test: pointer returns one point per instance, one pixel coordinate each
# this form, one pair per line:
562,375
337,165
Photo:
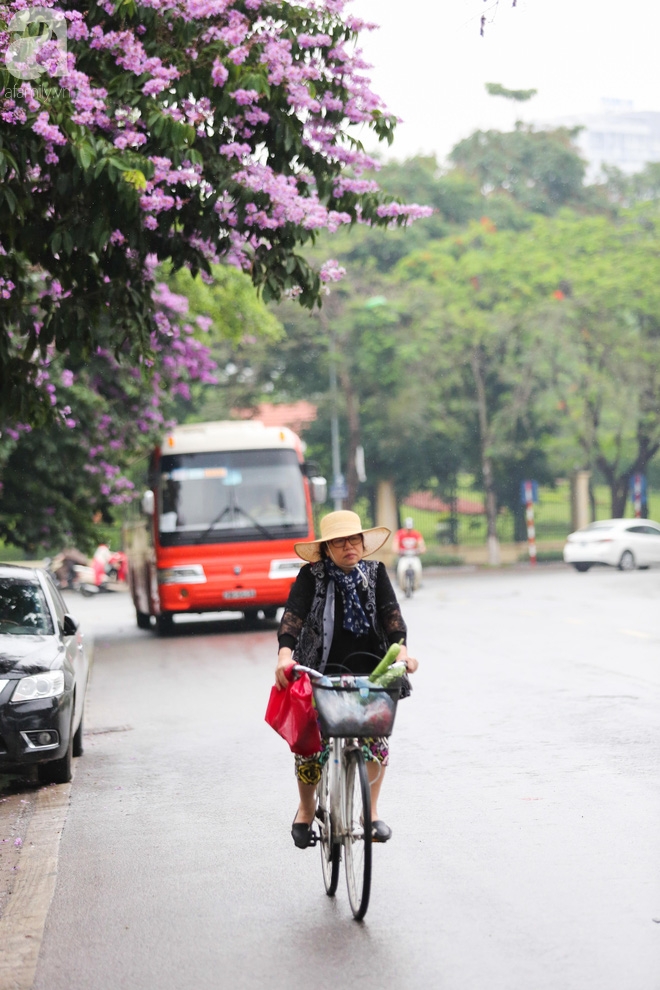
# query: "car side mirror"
319,487
148,503
69,625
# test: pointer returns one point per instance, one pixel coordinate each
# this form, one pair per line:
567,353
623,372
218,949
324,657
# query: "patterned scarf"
355,620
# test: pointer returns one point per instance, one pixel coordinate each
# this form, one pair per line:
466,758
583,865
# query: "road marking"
26,908
634,632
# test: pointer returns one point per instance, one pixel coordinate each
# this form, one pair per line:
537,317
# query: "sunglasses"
340,542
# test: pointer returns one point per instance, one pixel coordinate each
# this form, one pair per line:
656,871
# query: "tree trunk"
619,496
619,484
486,462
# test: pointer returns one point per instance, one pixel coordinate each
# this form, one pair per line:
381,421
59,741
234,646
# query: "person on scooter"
409,544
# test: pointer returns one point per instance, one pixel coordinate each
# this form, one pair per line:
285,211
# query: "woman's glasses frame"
340,542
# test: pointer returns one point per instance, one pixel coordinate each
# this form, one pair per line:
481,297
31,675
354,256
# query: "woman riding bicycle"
339,605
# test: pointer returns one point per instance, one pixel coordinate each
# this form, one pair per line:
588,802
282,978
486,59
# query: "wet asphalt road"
523,794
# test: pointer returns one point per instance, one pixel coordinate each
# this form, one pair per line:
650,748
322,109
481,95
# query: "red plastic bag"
291,713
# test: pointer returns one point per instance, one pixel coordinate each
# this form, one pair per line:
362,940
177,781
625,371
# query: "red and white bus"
226,502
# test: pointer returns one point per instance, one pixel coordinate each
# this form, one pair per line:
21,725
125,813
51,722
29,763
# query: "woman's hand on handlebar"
284,660
410,662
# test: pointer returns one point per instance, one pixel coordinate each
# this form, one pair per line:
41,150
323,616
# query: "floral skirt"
374,749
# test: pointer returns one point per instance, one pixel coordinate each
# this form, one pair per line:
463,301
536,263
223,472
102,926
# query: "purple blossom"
245,96
332,271
49,132
219,73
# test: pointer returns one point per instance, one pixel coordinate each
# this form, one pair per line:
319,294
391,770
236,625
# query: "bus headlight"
182,574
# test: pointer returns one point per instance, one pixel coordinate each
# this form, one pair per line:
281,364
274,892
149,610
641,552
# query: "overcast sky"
430,63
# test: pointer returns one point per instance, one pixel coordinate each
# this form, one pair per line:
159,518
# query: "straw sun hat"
338,524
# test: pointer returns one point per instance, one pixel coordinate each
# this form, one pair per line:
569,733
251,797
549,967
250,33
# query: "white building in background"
618,135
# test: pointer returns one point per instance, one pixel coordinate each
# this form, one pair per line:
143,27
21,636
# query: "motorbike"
73,571
409,572
65,568
108,567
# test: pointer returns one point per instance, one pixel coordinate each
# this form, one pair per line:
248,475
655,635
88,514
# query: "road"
523,795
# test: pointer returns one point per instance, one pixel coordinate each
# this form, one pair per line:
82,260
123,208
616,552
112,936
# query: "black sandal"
303,834
380,832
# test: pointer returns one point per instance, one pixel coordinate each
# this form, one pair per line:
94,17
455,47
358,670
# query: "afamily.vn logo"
37,28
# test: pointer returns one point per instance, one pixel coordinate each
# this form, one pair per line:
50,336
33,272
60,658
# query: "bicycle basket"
351,710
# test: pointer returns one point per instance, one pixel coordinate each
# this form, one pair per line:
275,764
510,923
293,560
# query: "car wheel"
143,620
270,613
581,567
78,737
58,771
164,623
627,562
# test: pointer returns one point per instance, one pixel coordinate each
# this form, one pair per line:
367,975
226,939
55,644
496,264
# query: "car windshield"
23,609
597,525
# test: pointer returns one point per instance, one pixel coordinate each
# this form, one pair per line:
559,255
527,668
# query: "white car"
622,543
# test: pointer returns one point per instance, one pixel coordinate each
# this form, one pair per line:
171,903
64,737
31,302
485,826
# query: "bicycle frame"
338,750
344,815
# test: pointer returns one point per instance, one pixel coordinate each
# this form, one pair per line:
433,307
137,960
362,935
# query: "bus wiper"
236,508
262,529
214,522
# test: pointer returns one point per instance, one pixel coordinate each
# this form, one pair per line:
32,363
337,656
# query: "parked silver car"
622,543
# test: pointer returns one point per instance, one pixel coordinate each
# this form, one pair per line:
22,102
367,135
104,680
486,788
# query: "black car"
43,676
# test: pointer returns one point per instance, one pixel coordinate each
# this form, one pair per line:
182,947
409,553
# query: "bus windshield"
231,496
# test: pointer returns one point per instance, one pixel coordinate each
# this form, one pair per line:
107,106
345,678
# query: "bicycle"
347,711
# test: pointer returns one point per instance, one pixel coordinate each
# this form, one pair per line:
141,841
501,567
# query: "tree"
176,132
607,382
480,311
558,327
540,171
517,95
60,483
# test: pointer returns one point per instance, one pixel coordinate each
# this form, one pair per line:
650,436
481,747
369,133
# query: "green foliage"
517,95
563,321
540,170
74,213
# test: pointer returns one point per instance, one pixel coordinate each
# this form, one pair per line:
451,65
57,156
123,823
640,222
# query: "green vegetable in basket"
391,675
386,662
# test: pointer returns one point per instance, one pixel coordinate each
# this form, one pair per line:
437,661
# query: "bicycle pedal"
313,838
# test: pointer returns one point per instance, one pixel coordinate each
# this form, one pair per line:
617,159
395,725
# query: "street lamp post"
337,476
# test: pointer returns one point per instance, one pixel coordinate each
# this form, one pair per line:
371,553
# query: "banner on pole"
529,492
638,487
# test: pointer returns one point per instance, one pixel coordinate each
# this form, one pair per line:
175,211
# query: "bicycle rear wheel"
330,850
357,841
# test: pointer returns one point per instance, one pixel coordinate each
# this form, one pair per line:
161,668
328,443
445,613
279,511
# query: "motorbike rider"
409,544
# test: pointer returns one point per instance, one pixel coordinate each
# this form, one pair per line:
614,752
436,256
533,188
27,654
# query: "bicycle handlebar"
298,669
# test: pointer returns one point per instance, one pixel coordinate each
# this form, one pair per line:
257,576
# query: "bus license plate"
241,593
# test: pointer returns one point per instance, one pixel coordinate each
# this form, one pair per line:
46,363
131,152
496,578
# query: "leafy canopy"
186,131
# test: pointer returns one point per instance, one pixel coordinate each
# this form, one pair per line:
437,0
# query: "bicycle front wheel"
357,840
330,848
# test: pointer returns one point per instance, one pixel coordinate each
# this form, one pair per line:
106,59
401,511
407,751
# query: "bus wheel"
251,616
164,623
143,620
